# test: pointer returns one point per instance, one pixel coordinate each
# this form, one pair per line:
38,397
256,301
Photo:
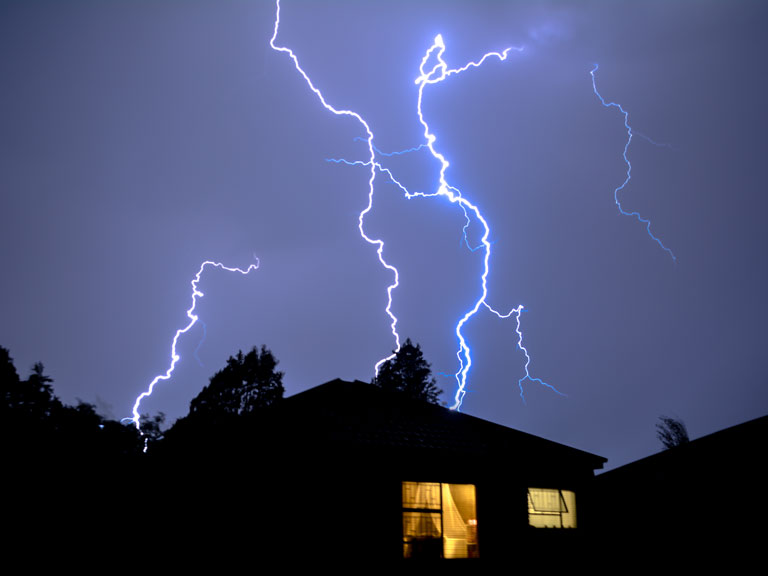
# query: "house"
709,489
347,469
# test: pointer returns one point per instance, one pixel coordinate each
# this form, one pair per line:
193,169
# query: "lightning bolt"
439,72
193,318
630,134
431,74
371,163
518,312
432,71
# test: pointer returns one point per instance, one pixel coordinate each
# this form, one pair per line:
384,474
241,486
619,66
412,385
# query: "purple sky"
138,139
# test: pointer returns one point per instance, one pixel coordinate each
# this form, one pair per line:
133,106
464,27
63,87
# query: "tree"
671,432
409,373
25,402
43,428
40,399
151,426
9,383
8,374
247,383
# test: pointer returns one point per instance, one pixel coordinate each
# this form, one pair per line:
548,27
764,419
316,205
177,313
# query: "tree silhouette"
151,426
671,432
29,409
409,373
9,384
42,427
247,383
8,374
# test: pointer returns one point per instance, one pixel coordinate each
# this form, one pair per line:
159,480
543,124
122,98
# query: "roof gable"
360,414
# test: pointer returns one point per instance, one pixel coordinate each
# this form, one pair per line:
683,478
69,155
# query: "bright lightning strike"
193,318
371,151
630,134
431,74
434,75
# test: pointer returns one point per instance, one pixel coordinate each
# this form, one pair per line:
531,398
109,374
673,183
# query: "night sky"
138,139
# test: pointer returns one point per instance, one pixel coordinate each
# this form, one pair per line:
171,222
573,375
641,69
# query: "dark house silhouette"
347,469
707,490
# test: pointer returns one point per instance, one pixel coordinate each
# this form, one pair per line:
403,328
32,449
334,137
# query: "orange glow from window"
551,508
439,520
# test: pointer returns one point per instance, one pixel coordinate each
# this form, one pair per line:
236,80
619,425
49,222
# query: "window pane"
421,524
421,495
421,535
459,521
549,508
439,520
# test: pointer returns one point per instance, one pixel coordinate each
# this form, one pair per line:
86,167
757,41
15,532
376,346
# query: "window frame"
567,518
439,510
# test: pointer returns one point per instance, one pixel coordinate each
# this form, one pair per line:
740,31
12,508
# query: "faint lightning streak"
396,153
371,150
637,215
200,344
652,141
192,321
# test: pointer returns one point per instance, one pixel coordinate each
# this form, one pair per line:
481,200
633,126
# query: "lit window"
439,520
548,508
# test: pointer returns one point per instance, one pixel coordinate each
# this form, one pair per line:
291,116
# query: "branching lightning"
630,134
193,318
518,312
371,163
433,70
436,74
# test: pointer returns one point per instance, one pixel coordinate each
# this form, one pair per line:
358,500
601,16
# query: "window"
439,520
549,508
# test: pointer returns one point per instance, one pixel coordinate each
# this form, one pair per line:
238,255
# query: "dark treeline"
219,477
37,425
73,478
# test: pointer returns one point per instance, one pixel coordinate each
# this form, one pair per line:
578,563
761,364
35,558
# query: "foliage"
247,383
40,424
151,426
671,432
29,407
408,372
30,400
8,374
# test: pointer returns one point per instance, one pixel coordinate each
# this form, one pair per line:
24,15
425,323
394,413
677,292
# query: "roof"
708,488
737,446
363,416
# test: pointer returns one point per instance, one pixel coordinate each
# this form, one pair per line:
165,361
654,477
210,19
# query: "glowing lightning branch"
428,76
395,153
371,151
193,318
518,312
637,215
435,75
438,72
